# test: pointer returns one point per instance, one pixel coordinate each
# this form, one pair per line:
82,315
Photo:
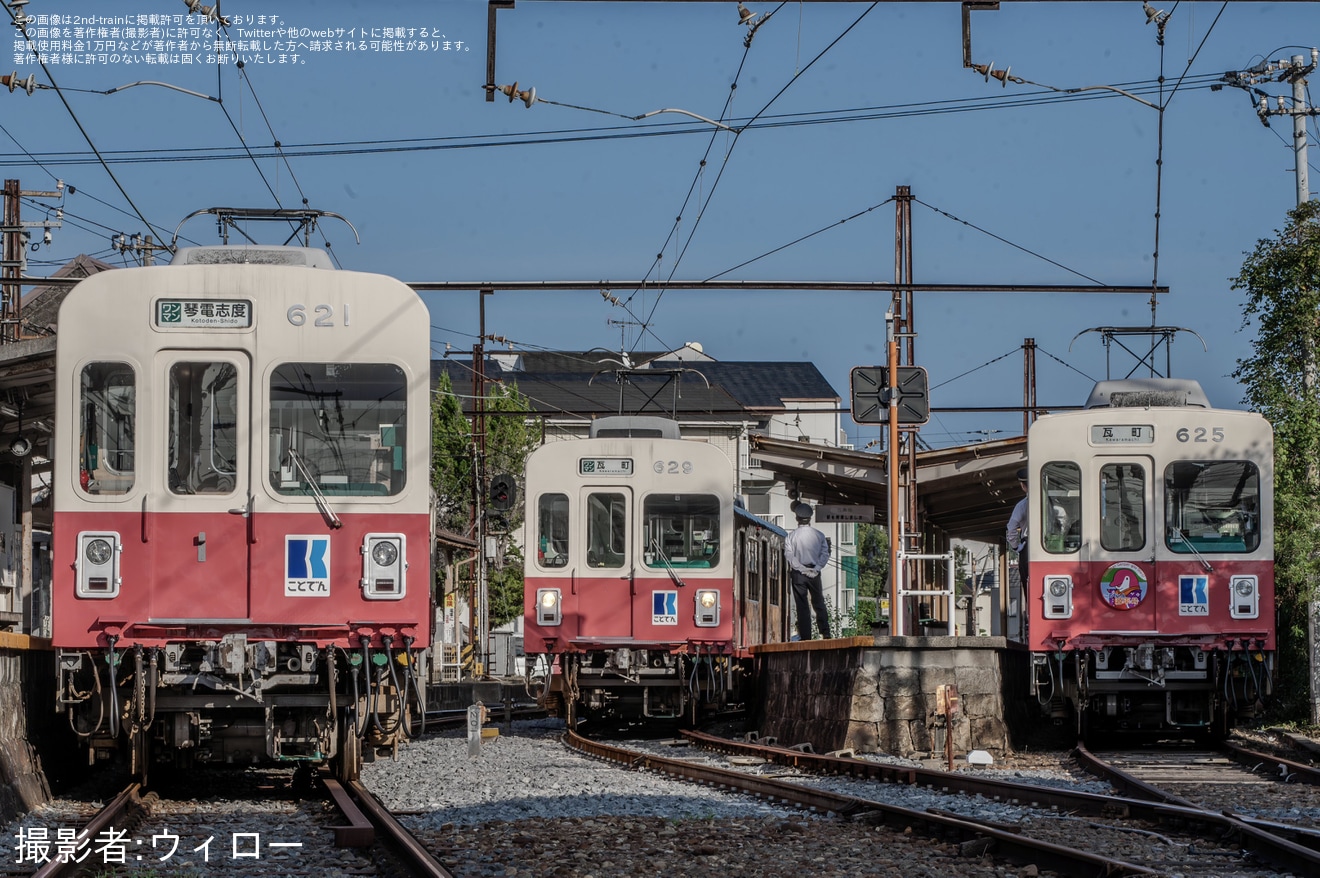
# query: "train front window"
107,406
1061,506
1122,507
203,428
681,530
607,530
1212,506
552,530
339,428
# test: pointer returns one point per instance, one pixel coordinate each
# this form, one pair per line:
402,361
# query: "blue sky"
1015,184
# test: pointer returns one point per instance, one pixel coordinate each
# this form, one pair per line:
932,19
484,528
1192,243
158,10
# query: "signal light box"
870,395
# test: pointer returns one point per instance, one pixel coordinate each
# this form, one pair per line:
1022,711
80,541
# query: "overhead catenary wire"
22,28
550,137
738,133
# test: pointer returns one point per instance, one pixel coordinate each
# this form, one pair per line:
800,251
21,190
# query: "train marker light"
1244,597
98,565
708,607
548,610
1058,597
383,567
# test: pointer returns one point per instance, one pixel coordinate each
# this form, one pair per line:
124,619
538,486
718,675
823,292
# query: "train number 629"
1200,434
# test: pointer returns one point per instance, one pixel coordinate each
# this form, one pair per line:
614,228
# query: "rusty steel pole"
1028,383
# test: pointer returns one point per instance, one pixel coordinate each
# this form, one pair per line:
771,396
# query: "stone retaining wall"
878,694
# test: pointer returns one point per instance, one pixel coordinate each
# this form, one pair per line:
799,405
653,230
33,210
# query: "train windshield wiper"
321,502
1177,532
660,553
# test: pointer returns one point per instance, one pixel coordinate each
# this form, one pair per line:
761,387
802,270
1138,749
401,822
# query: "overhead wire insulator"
11,80
528,97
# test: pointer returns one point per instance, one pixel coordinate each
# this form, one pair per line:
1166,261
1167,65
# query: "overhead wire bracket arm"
186,91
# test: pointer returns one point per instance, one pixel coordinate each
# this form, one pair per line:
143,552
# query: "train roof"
250,254
630,426
1148,393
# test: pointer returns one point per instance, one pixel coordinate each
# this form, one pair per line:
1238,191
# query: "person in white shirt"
1016,534
807,552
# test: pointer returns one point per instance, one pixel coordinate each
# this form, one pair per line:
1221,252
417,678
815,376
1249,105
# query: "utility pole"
16,236
1294,72
140,246
479,607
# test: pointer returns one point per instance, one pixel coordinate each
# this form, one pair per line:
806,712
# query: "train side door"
605,583
194,519
1123,554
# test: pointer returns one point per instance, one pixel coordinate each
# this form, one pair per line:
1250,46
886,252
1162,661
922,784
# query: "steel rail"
416,858
1007,844
105,819
1300,742
1251,833
1147,803
1286,769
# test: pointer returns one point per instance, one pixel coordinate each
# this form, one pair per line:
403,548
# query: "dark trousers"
808,589
1022,572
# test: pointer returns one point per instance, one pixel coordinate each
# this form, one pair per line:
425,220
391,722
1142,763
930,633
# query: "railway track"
975,836
1218,786
1174,830
276,826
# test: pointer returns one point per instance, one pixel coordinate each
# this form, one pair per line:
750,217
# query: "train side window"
1212,506
1061,506
203,427
552,530
607,530
1122,507
340,427
107,428
681,530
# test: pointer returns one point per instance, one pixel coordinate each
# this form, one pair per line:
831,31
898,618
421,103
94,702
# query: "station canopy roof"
968,491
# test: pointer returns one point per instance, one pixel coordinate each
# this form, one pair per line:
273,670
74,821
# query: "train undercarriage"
1194,689
241,702
625,685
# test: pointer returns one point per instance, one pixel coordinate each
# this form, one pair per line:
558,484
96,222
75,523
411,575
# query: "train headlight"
548,607
98,565
384,567
385,553
1244,597
97,551
708,608
1058,597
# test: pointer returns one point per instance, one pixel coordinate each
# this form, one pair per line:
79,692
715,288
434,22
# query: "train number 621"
325,315
1200,434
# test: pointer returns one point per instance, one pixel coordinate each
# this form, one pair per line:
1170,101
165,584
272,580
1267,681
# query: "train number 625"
1200,434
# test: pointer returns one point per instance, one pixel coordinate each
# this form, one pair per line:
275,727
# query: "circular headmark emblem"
1123,586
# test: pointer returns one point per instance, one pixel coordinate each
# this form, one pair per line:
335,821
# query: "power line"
323,149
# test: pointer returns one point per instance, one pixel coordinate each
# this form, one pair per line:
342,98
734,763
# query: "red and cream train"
646,581
242,523
1151,593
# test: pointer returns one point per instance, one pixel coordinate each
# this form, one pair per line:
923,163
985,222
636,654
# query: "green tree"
451,459
872,573
509,439
1281,278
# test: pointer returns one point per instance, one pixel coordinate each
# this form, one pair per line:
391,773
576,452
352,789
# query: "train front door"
195,524
606,584
1125,548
